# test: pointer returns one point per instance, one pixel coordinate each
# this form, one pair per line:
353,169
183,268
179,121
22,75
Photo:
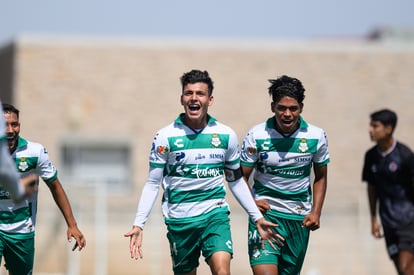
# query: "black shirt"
393,177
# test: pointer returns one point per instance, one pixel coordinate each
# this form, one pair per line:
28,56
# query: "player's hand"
376,229
267,233
135,242
263,205
74,232
311,221
29,184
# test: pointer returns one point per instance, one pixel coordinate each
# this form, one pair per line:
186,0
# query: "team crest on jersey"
215,140
303,146
393,166
23,166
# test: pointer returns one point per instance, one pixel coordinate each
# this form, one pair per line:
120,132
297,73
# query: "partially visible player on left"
18,220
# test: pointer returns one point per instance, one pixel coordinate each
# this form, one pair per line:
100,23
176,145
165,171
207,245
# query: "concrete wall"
128,89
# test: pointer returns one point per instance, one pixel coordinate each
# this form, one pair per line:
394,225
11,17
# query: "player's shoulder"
221,126
372,151
314,128
258,128
167,128
403,146
404,150
32,148
33,144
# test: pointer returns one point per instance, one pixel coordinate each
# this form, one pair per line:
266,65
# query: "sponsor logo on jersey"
206,172
266,146
251,150
264,156
162,150
286,172
4,194
200,156
299,209
216,156
179,156
182,171
179,143
229,244
303,159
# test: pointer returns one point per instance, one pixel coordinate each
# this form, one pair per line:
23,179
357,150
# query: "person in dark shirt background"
389,172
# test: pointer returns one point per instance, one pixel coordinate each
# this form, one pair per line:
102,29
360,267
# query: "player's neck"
386,144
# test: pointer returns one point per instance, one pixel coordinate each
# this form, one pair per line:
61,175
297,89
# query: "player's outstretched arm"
135,242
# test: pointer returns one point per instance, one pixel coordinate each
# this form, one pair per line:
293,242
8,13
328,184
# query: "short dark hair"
8,108
286,86
195,76
386,117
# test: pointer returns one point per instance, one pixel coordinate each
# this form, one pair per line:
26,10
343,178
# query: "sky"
246,19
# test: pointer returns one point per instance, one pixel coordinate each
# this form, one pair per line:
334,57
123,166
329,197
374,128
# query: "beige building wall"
111,90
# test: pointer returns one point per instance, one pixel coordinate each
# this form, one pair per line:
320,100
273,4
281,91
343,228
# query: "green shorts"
208,236
18,252
289,258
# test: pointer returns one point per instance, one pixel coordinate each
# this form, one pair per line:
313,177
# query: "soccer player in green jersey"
191,157
282,151
18,220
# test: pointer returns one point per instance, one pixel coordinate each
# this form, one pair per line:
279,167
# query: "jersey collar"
180,119
270,123
21,142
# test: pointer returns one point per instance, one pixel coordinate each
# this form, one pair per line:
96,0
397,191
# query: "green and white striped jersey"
193,163
20,218
283,165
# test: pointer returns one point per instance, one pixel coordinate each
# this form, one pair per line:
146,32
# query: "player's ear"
388,129
272,106
210,100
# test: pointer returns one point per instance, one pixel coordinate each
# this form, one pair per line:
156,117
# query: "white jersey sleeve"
232,159
45,168
322,154
242,193
148,196
248,155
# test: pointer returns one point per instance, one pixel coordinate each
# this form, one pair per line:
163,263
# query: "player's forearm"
372,200
242,194
319,188
319,193
148,196
63,204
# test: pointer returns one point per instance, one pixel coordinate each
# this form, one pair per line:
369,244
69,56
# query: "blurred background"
94,81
